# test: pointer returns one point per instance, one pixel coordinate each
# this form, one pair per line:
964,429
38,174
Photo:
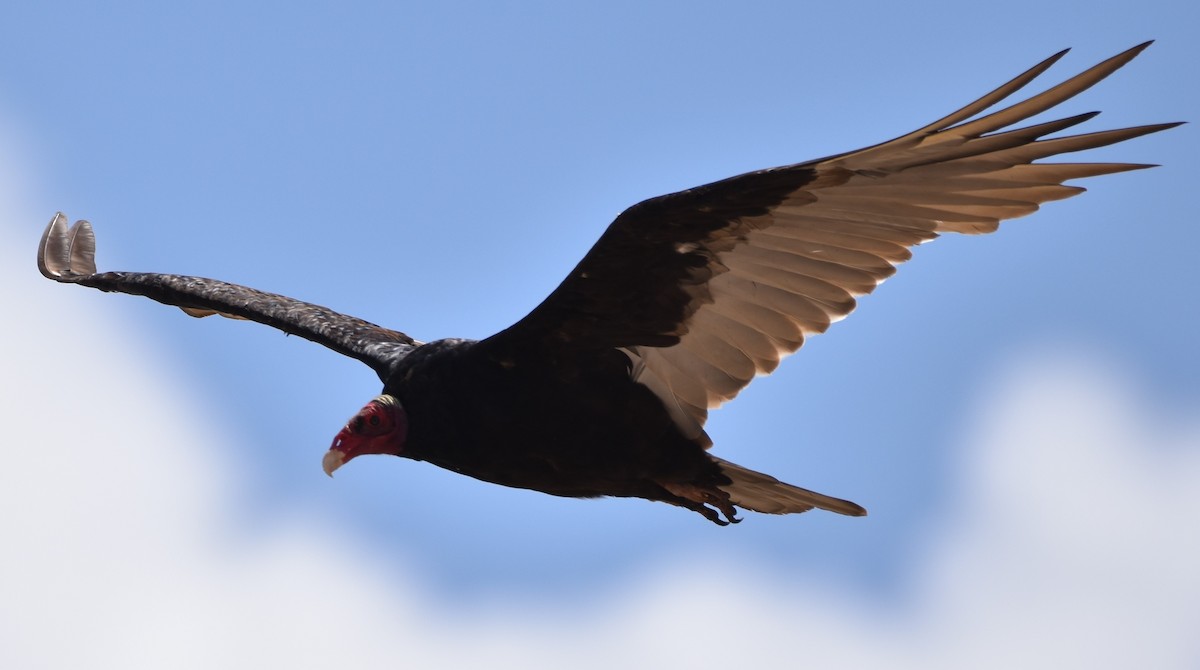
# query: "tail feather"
763,493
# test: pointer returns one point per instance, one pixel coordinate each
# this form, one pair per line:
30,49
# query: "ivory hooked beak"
332,461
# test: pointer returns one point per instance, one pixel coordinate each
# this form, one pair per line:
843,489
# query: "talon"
712,515
722,503
697,499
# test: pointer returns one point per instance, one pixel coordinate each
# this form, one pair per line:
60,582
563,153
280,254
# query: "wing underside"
707,288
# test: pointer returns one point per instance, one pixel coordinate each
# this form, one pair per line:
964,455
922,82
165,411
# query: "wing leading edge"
68,255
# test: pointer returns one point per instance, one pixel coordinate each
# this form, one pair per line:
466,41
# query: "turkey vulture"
604,388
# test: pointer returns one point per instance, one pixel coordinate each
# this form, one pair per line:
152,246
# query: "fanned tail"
763,493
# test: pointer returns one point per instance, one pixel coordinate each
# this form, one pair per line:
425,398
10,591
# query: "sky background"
1018,412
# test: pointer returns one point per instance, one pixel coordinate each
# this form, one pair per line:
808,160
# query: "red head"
380,427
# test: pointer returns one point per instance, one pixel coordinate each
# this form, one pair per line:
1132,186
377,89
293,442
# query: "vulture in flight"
604,388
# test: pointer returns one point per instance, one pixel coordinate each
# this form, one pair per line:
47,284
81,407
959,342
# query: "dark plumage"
604,388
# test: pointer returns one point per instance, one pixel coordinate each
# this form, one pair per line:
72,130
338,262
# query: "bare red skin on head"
378,428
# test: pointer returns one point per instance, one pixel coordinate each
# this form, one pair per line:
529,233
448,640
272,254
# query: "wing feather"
68,255
709,287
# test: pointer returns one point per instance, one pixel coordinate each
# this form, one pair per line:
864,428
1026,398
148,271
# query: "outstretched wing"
68,255
709,287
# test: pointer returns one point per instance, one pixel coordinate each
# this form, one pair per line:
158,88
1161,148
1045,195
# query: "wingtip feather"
82,248
65,252
51,258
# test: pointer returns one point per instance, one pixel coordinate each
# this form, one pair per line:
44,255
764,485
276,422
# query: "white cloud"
1074,542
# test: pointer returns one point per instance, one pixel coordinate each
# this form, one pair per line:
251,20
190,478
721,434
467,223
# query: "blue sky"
438,169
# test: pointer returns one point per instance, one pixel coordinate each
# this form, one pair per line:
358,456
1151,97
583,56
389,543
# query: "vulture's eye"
374,419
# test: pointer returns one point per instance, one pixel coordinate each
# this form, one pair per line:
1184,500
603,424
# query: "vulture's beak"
332,461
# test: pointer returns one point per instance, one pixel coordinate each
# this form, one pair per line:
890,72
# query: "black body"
570,425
